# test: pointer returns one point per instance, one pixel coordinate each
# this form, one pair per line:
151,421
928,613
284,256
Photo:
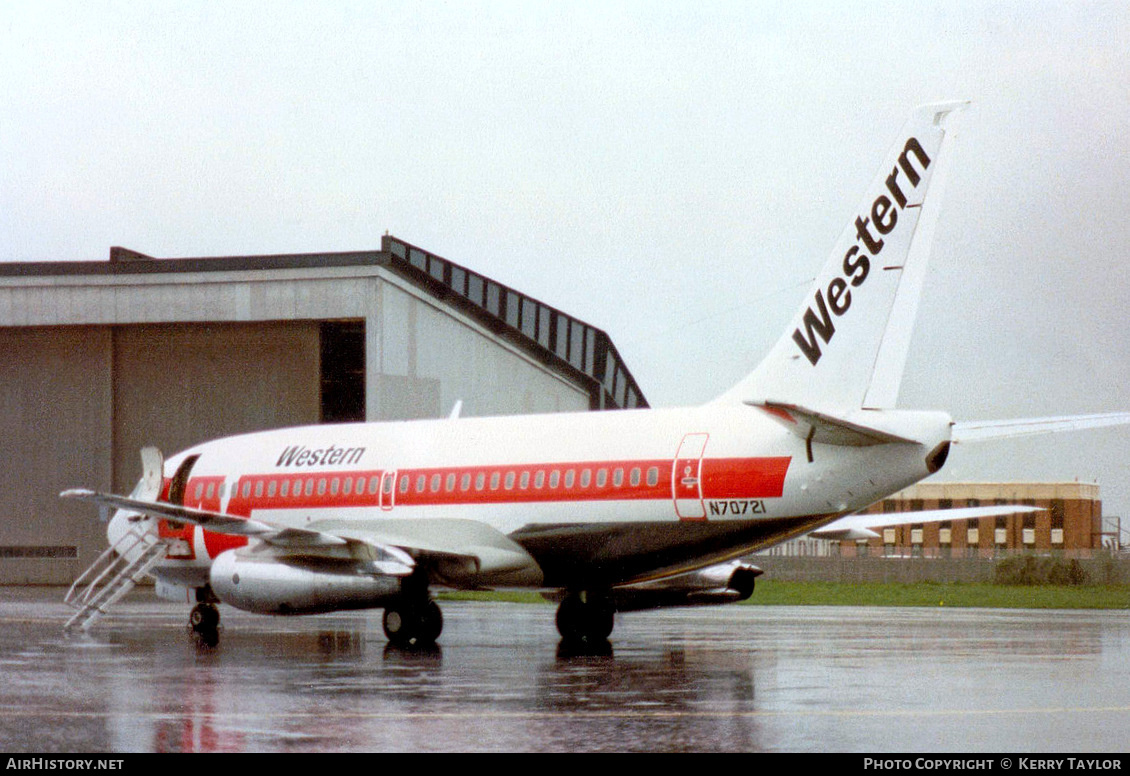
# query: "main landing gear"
413,623
413,620
585,617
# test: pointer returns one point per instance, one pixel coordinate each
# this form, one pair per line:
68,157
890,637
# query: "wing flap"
465,553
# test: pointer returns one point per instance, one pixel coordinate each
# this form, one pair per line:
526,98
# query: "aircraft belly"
595,555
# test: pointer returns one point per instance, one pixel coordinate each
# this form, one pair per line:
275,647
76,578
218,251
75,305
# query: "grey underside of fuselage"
602,555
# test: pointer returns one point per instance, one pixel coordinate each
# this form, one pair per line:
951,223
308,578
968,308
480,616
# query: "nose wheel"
204,619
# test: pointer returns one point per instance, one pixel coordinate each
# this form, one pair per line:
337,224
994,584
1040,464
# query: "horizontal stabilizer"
859,527
825,428
978,431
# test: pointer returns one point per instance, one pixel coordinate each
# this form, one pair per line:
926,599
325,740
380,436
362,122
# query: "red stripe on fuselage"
530,483
576,482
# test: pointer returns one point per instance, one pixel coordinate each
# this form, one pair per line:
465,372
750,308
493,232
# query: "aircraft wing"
458,552
860,526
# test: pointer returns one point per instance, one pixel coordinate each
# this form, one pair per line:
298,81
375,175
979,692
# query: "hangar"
99,359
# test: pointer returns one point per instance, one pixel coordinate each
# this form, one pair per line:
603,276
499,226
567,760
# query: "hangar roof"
582,352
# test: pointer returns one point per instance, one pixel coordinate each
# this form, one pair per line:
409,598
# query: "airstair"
113,575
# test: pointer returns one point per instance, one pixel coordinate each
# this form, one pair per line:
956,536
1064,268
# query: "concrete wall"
422,359
55,433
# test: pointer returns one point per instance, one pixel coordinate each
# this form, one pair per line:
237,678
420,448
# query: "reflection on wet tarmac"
742,678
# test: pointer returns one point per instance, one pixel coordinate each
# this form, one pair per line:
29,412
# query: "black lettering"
330,456
836,291
874,245
893,187
858,268
814,326
880,211
714,508
912,145
884,215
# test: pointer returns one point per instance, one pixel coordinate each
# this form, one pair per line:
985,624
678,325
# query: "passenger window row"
421,483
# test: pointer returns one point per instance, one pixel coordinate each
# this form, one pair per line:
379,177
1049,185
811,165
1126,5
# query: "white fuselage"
717,480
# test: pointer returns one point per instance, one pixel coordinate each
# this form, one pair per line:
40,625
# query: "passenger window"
653,476
509,480
450,484
421,483
465,482
586,477
494,477
618,477
335,486
389,480
524,480
404,482
285,488
570,478
554,478
259,489
480,480
211,489
635,476
199,490
601,478
374,483
246,490
322,486
435,483
346,487
272,488
539,479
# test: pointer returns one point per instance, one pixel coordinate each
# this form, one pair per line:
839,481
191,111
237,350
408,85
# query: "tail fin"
847,346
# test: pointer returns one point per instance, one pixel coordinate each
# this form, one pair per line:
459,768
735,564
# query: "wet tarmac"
737,678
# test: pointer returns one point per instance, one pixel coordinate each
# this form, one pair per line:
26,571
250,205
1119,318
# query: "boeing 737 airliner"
612,511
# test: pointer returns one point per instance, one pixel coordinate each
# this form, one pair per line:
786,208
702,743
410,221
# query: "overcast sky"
673,173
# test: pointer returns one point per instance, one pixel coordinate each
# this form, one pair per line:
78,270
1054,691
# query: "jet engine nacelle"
270,586
722,584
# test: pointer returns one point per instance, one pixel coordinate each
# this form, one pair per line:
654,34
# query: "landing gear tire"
413,625
204,618
585,618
